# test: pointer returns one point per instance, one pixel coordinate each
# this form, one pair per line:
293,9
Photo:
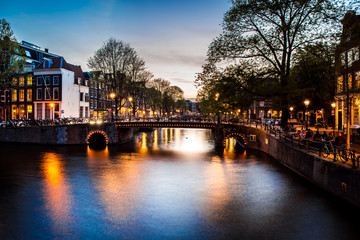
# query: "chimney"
46,50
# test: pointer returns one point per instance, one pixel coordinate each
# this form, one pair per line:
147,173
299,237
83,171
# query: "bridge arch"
97,138
240,140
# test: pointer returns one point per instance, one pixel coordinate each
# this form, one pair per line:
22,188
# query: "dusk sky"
172,36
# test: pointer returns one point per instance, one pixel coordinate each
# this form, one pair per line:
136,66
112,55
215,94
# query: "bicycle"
328,149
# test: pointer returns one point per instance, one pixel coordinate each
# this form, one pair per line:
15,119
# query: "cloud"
181,80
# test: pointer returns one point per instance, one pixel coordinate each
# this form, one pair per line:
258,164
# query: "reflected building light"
156,146
144,147
56,191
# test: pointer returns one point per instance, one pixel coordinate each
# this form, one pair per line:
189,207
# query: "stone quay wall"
336,178
69,134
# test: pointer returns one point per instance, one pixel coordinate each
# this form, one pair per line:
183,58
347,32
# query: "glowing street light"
112,96
52,105
307,102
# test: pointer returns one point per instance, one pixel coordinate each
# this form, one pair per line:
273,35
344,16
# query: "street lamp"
333,105
130,101
217,95
307,102
52,110
291,110
112,96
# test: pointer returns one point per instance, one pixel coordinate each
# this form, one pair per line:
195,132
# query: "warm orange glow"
56,189
112,95
130,99
52,105
333,105
143,148
306,102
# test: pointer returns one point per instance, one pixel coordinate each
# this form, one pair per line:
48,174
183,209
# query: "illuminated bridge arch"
240,140
97,138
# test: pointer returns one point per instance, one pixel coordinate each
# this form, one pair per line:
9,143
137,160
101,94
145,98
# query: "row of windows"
21,81
350,56
351,85
21,96
46,94
47,80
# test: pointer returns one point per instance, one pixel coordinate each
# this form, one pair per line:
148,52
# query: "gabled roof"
58,62
77,70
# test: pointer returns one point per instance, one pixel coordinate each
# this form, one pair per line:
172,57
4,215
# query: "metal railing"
324,149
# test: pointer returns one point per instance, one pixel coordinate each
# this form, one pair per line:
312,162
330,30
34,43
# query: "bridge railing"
324,149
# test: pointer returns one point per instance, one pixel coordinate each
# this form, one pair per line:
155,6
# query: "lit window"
29,80
29,108
29,95
22,95
14,95
22,81
14,81
350,81
340,84
357,79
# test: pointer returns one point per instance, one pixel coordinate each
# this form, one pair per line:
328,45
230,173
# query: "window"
47,94
342,58
86,83
350,85
340,84
29,95
47,80
29,80
357,79
14,95
56,93
81,112
14,82
22,95
22,81
47,64
39,94
86,112
356,54
38,81
81,97
29,108
56,80
39,110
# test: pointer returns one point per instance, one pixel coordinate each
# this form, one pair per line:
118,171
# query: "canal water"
166,184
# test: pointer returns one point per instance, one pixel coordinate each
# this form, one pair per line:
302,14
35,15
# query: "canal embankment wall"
68,134
334,177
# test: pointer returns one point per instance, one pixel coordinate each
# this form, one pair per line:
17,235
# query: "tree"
114,59
266,33
313,73
11,56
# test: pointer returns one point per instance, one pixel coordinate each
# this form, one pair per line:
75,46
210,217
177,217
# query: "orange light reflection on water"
56,190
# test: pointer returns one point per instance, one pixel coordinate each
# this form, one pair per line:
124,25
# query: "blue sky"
172,36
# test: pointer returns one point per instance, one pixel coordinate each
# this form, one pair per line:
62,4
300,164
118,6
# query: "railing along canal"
324,149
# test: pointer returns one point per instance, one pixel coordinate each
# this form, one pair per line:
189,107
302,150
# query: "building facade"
347,73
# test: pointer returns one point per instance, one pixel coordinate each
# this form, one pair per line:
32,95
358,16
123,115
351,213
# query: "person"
324,136
340,139
308,134
317,136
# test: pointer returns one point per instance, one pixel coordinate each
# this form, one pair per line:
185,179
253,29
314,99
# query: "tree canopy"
264,34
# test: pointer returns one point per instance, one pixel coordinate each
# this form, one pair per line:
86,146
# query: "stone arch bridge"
114,133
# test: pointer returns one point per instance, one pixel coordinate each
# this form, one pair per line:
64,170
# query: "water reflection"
156,189
57,194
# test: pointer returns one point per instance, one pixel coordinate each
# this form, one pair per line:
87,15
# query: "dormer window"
47,64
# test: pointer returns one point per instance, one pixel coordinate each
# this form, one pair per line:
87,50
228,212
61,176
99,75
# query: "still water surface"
168,184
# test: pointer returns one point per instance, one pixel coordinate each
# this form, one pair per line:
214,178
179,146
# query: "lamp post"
307,102
291,110
112,96
217,95
333,105
130,101
52,105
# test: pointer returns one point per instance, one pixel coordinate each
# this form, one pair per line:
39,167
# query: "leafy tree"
265,34
314,75
11,57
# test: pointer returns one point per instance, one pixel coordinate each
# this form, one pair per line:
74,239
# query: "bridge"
113,133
